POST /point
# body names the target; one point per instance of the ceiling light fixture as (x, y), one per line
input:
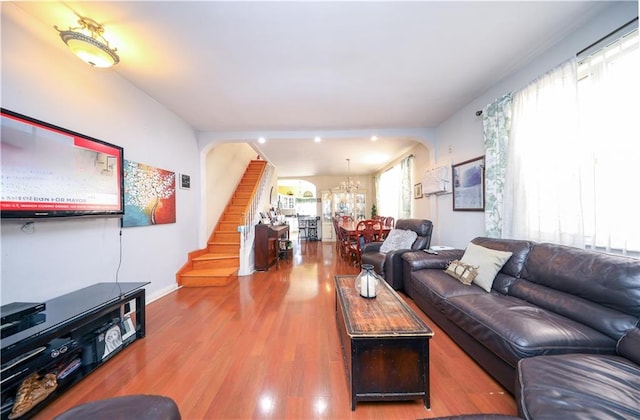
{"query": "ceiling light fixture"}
(261, 140)
(87, 42)
(374, 138)
(317, 139)
(349, 185)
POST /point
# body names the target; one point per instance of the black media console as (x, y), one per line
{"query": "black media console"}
(80, 331)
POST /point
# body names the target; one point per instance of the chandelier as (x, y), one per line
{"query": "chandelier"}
(349, 185)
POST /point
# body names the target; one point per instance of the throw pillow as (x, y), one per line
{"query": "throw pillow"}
(398, 239)
(488, 261)
(465, 273)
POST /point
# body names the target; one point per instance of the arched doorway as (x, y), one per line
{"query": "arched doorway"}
(297, 197)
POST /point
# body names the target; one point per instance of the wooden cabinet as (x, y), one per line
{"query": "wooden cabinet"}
(286, 202)
(267, 244)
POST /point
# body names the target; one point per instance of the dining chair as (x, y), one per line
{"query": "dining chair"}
(347, 219)
(344, 241)
(367, 231)
(389, 222)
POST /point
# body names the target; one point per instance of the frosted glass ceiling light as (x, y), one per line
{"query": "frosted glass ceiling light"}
(86, 41)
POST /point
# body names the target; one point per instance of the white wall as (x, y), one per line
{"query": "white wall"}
(460, 137)
(57, 257)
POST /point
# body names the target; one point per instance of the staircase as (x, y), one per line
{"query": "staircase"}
(218, 263)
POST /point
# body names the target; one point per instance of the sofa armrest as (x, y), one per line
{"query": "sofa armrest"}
(371, 247)
(393, 268)
(420, 260)
(629, 344)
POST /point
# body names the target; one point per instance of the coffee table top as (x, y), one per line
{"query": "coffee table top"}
(385, 315)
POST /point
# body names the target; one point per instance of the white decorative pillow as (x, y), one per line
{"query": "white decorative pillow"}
(488, 261)
(398, 239)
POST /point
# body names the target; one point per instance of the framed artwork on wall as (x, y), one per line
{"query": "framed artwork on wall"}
(185, 181)
(417, 190)
(468, 185)
(149, 195)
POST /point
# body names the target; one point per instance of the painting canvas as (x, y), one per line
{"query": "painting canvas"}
(468, 185)
(149, 195)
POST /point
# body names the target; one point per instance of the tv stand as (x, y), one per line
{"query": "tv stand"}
(80, 332)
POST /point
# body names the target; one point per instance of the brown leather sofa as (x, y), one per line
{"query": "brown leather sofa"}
(546, 300)
(389, 265)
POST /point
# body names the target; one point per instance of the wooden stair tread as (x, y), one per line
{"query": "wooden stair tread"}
(217, 256)
(211, 272)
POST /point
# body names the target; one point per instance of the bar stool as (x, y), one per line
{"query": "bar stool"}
(312, 229)
(303, 224)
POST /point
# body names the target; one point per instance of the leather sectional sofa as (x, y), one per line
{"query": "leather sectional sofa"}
(548, 302)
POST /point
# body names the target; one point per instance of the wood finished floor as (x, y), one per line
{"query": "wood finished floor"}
(267, 347)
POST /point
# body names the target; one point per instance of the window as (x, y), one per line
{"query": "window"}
(389, 192)
(573, 152)
(608, 89)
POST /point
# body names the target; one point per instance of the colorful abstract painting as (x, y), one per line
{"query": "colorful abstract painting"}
(149, 195)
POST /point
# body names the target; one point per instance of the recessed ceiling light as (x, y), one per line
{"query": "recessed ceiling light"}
(317, 139)
(374, 138)
(262, 140)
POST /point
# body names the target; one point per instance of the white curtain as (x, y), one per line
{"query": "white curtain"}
(542, 196)
(406, 169)
(390, 187)
(609, 89)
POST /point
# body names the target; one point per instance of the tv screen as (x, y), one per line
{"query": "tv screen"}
(51, 172)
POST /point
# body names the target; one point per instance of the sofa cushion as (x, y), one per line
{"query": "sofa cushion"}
(520, 252)
(398, 239)
(514, 329)
(578, 386)
(488, 261)
(608, 280)
(437, 287)
(607, 321)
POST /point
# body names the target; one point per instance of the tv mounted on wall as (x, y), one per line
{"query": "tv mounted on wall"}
(51, 172)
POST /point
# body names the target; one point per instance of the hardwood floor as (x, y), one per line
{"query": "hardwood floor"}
(267, 346)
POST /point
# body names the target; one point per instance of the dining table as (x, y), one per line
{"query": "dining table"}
(350, 229)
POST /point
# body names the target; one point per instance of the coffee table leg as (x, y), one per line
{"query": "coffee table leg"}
(353, 404)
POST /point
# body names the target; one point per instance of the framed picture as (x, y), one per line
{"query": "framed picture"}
(185, 181)
(468, 185)
(149, 195)
(417, 190)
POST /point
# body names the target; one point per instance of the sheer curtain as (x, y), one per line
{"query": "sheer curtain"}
(395, 190)
(608, 90)
(389, 203)
(542, 191)
(406, 168)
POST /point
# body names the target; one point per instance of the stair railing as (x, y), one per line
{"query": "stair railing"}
(251, 218)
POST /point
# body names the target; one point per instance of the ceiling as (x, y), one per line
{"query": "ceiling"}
(292, 70)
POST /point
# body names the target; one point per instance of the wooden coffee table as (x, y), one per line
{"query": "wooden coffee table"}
(384, 343)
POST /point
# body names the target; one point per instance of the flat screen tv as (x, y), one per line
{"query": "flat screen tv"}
(50, 172)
